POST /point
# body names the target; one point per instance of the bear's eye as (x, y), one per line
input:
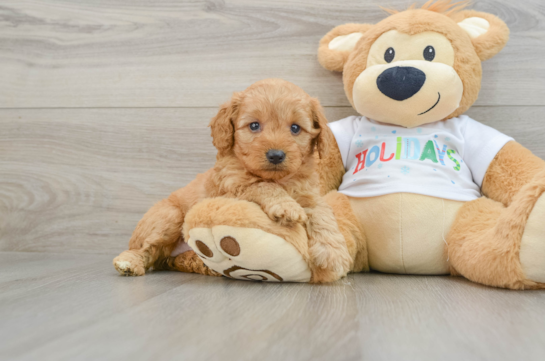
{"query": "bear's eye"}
(429, 53)
(389, 55)
(295, 129)
(254, 127)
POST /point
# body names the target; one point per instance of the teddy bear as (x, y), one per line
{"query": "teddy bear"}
(416, 186)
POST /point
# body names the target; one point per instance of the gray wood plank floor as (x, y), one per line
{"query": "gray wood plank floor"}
(80, 310)
(103, 111)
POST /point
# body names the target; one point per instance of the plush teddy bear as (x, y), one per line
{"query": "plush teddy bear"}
(426, 189)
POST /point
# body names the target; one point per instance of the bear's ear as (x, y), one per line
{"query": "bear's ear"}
(488, 33)
(336, 46)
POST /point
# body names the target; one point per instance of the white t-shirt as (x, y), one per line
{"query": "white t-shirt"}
(446, 159)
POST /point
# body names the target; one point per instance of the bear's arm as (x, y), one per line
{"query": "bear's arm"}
(512, 168)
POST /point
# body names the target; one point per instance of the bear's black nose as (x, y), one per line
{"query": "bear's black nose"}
(276, 156)
(401, 82)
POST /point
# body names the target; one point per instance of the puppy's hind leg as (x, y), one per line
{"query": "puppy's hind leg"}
(187, 262)
(154, 238)
(160, 230)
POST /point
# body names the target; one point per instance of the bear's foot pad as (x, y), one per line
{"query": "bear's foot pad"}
(249, 254)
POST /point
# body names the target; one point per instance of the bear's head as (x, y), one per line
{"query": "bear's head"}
(416, 66)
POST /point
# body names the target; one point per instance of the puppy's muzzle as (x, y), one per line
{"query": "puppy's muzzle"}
(401, 82)
(275, 156)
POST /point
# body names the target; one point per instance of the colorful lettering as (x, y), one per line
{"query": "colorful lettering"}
(441, 153)
(361, 161)
(415, 148)
(429, 152)
(375, 150)
(406, 148)
(382, 150)
(449, 153)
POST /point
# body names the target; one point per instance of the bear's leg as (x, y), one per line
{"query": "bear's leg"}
(501, 246)
(532, 247)
(237, 239)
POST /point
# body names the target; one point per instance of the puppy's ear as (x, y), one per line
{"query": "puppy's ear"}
(488, 33)
(336, 46)
(222, 128)
(325, 137)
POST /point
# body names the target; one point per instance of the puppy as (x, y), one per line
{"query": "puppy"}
(266, 138)
(269, 138)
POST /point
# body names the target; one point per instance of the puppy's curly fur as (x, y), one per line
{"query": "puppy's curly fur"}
(285, 119)
(288, 191)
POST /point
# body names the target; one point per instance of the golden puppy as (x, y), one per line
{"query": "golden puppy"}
(266, 137)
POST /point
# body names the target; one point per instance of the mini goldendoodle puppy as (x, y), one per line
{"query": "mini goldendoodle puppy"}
(269, 139)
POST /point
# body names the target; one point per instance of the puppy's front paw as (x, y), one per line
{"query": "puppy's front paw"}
(128, 264)
(330, 263)
(287, 212)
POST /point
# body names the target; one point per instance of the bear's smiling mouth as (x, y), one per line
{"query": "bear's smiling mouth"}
(433, 106)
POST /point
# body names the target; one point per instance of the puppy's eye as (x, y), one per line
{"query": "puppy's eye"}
(255, 127)
(389, 55)
(295, 129)
(429, 53)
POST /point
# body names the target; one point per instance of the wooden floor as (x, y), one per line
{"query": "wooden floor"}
(74, 307)
(103, 111)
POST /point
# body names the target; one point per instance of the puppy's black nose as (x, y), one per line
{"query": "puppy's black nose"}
(276, 156)
(401, 82)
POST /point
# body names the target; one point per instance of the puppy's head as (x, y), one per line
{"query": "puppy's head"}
(272, 128)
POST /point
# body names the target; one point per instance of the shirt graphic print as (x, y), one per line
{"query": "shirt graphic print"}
(446, 159)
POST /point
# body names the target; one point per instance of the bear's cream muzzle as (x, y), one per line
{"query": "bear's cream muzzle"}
(408, 93)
